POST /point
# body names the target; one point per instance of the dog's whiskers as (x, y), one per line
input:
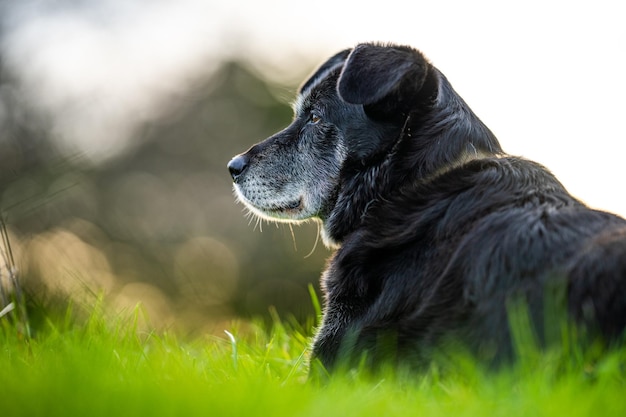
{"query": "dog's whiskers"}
(317, 238)
(293, 237)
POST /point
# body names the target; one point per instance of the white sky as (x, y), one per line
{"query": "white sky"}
(546, 76)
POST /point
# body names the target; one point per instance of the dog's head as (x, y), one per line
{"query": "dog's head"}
(367, 119)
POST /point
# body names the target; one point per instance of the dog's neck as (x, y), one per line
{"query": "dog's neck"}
(364, 188)
(467, 156)
(341, 223)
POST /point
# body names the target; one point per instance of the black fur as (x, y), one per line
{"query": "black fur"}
(438, 232)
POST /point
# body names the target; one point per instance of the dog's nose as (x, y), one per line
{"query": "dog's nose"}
(237, 165)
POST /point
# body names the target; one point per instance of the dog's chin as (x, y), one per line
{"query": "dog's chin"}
(290, 211)
(282, 211)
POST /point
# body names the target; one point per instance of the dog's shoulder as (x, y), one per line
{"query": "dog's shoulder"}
(491, 218)
(451, 202)
(492, 221)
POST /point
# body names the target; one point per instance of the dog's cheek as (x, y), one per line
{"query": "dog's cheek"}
(365, 144)
(328, 177)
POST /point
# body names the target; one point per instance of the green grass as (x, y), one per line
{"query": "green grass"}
(110, 366)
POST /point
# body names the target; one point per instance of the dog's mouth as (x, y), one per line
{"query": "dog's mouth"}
(290, 208)
(294, 205)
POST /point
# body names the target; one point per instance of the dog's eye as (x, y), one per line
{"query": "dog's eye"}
(314, 119)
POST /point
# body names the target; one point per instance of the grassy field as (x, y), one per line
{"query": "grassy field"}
(108, 366)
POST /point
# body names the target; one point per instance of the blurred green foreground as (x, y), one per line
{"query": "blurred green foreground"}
(109, 365)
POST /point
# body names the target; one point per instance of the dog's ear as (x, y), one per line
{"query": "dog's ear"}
(387, 80)
(333, 61)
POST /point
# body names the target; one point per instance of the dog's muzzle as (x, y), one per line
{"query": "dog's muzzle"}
(237, 166)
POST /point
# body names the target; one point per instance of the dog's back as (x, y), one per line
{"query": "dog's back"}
(451, 259)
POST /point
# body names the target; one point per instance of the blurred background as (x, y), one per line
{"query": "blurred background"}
(117, 119)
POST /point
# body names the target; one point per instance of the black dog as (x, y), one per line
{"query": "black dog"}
(437, 230)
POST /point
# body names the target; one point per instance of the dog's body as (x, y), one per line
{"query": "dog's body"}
(437, 230)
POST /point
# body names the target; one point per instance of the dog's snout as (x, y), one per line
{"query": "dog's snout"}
(237, 165)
